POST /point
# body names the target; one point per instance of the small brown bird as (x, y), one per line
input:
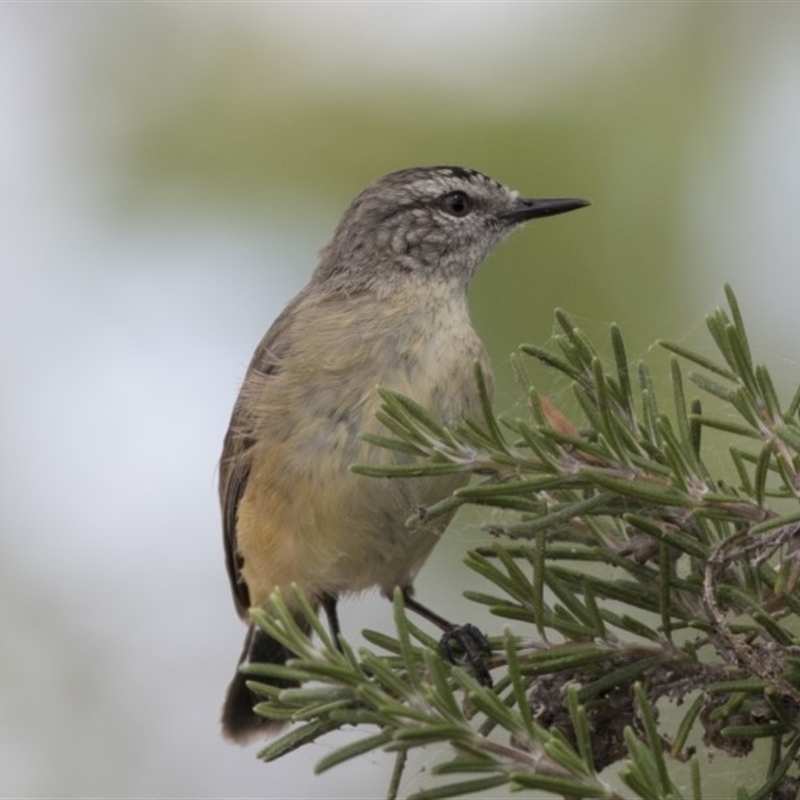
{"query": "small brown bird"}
(385, 307)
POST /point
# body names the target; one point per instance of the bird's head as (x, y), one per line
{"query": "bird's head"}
(430, 222)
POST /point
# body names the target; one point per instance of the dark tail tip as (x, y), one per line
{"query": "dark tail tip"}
(240, 723)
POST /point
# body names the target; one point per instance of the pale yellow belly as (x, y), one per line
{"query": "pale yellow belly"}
(306, 518)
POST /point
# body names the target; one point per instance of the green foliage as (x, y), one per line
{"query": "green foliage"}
(633, 574)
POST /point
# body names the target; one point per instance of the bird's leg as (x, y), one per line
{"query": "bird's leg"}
(328, 602)
(463, 643)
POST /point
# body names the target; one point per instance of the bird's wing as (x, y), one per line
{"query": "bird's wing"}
(234, 470)
(238, 448)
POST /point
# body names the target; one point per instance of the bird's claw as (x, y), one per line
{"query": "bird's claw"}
(466, 645)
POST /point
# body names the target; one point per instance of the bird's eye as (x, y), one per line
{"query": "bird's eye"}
(459, 204)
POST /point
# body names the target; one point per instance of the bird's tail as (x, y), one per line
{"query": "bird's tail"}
(240, 723)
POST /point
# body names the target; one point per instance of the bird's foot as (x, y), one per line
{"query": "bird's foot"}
(465, 645)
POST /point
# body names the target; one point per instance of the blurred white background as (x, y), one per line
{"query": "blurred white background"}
(167, 175)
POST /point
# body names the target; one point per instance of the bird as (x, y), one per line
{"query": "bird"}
(386, 307)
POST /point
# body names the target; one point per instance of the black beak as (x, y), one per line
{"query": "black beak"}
(526, 208)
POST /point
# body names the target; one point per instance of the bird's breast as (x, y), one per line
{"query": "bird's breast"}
(310, 518)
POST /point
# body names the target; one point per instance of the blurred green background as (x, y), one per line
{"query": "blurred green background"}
(169, 172)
